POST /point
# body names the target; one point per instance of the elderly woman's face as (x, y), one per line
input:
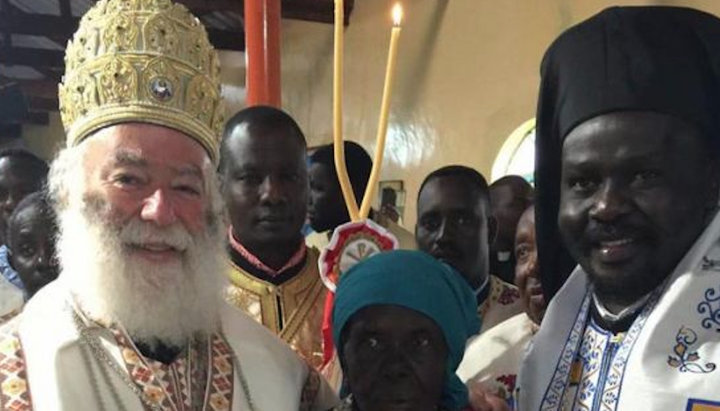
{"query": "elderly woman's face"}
(394, 359)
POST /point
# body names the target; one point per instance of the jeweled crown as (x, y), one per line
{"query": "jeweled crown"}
(146, 61)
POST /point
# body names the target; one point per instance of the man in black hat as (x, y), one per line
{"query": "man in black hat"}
(627, 176)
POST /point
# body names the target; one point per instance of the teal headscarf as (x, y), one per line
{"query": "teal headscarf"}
(417, 281)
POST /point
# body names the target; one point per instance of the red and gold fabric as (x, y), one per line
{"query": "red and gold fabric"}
(293, 310)
(14, 387)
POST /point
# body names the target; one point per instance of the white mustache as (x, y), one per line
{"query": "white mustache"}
(137, 232)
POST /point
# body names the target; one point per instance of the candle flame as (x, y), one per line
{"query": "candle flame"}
(397, 14)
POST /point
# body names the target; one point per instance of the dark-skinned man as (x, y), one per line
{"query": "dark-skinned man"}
(627, 176)
(274, 275)
(509, 197)
(492, 360)
(21, 173)
(327, 208)
(454, 225)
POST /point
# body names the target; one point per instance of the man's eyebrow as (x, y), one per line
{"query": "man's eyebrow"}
(190, 170)
(128, 158)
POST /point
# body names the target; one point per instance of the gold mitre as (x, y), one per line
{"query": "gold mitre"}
(146, 61)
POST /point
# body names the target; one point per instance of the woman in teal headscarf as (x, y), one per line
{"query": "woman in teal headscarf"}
(400, 323)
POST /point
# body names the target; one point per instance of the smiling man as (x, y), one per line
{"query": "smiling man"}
(628, 170)
(509, 196)
(135, 320)
(274, 275)
(454, 225)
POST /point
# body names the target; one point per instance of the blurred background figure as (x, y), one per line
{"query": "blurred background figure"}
(527, 273)
(31, 235)
(492, 360)
(455, 226)
(21, 173)
(327, 209)
(32, 231)
(509, 197)
(388, 205)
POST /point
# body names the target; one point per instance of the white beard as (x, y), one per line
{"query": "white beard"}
(155, 303)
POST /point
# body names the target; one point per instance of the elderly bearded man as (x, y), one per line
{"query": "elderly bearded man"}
(135, 320)
(627, 173)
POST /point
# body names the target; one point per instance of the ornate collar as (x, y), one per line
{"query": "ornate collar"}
(296, 259)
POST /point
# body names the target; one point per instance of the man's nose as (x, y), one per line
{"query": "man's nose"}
(272, 191)
(610, 203)
(158, 208)
(446, 231)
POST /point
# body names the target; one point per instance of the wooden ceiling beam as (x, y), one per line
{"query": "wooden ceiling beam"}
(48, 25)
(319, 11)
(42, 103)
(35, 88)
(40, 118)
(199, 7)
(24, 56)
(5, 9)
(65, 9)
(10, 131)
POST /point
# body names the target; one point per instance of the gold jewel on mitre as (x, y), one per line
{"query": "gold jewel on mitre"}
(147, 61)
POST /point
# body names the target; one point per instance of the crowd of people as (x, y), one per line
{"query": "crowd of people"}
(162, 261)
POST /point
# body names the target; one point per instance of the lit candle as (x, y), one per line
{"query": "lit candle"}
(384, 110)
(339, 148)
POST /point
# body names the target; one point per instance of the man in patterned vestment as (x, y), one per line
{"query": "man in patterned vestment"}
(273, 275)
(627, 176)
(455, 226)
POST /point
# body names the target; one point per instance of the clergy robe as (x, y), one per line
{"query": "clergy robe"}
(499, 302)
(494, 357)
(45, 365)
(667, 360)
(291, 307)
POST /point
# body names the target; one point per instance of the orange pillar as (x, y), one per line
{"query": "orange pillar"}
(262, 51)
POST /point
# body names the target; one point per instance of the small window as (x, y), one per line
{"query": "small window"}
(517, 155)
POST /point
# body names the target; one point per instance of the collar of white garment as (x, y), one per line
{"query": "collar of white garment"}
(633, 308)
(503, 256)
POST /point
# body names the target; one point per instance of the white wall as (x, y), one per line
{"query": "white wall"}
(467, 77)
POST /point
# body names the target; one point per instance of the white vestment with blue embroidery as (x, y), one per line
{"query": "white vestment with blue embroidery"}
(667, 360)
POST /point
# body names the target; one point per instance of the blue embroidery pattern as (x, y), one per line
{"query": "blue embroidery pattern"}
(555, 390)
(613, 382)
(686, 360)
(593, 350)
(594, 391)
(710, 306)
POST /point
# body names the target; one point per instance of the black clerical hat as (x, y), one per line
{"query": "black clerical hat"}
(661, 59)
